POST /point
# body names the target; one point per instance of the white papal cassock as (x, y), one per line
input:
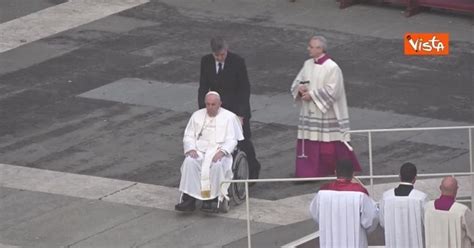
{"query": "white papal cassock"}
(402, 218)
(344, 218)
(200, 177)
(453, 228)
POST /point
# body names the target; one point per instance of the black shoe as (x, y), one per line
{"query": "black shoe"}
(187, 205)
(209, 206)
(254, 175)
(255, 171)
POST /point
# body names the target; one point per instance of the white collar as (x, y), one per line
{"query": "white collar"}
(318, 58)
(405, 183)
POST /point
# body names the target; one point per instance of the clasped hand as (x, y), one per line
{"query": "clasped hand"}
(192, 154)
(218, 156)
(304, 93)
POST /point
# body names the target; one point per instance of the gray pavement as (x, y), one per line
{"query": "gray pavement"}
(33, 219)
(102, 95)
(14, 9)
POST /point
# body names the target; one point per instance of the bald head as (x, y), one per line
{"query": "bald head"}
(449, 186)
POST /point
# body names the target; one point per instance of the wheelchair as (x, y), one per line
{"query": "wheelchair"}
(236, 192)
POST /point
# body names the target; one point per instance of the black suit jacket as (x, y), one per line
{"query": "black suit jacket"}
(232, 83)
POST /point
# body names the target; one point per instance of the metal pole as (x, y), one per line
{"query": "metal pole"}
(249, 238)
(370, 163)
(304, 108)
(333, 178)
(471, 148)
(409, 129)
(303, 155)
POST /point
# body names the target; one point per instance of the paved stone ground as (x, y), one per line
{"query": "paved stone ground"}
(51, 119)
(14, 9)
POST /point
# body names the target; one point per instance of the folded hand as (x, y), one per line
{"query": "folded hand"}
(218, 156)
(192, 154)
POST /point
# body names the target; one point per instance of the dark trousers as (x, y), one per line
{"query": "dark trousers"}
(247, 146)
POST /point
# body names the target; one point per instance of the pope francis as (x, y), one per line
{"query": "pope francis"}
(209, 139)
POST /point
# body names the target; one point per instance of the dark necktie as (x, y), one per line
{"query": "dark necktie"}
(220, 68)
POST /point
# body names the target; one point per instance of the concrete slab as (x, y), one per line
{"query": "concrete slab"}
(177, 97)
(4, 192)
(63, 43)
(73, 13)
(171, 229)
(278, 236)
(34, 219)
(70, 224)
(137, 194)
(21, 206)
(88, 131)
(147, 195)
(12, 9)
(18, 59)
(60, 183)
(8, 246)
(214, 232)
(115, 24)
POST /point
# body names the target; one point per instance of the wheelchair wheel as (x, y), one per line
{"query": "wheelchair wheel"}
(224, 206)
(240, 168)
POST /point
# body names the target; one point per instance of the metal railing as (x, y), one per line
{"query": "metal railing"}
(369, 136)
(371, 176)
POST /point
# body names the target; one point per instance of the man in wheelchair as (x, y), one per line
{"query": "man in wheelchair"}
(209, 140)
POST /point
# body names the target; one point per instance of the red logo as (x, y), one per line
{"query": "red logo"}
(426, 43)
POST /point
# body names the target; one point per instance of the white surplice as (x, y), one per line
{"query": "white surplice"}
(344, 218)
(402, 218)
(453, 228)
(326, 117)
(200, 177)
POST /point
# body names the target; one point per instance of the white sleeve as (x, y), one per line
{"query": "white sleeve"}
(314, 208)
(369, 214)
(325, 96)
(469, 219)
(423, 206)
(189, 139)
(381, 212)
(294, 86)
(233, 133)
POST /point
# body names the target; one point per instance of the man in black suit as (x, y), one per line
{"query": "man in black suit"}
(226, 73)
